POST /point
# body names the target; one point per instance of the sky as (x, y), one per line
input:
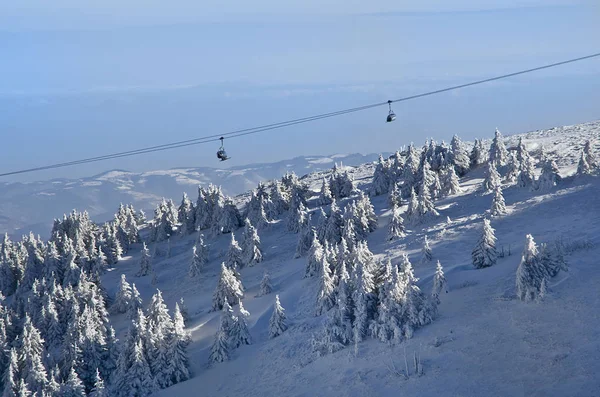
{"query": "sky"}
(82, 79)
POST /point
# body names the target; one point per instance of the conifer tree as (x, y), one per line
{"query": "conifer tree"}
(186, 215)
(219, 351)
(381, 177)
(229, 218)
(141, 382)
(265, 285)
(123, 296)
(305, 238)
(492, 178)
(583, 167)
(333, 229)
(251, 251)
(297, 216)
(11, 375)
(240, 335)
(589, 155)
(512, 172)
(426, 254)
(439, 283)
(228, 288)
(234, 260)
(325, 194)
(278, 321)
(498, 153)
(396, 227)
(478, 154)
(326, 294)
(315, 255)
(531, 275)
(73, 387)
(550, 176)
(145, 267)
(450, 182)
(498, 205)
(178, 366)
(135, 303)
(395, 196)
(484, 254)
(99, 390)
(459, 157)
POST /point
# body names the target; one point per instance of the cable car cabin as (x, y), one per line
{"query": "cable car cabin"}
(221, 155)
(391, 117)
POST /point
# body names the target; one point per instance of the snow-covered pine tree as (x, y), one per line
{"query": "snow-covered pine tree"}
(123, 296)
(186, 215)
(315, 255)
(219, 352)
(230, 218)
(395, 196)
(381, 177)
(498, 153)
(458, 156)
(512, 171)
(426, 254)
(280, 199)
(531, 276)
(498, 205)
(412, 212)
(477, 156)
(589, 154)
(30, 353)
(278, 321)
(550, 176)
(396, 227)
(326, 294)
(305, 238)
(265, 285)
(139, 375)
(234, 259)
(425, 207)
(251, 251)
(484, 254)
(583, 168)
(99, 389)
(73, 387)
(297, 216)
(240, 335)
(363, 299)
(492, 178)
(145, 258)
(333, 229)
(526, 176)
(439, 283)
(177, 369)
(228, 288)
(552, 258)
(199, 257)
(325, 194)
(450, 182)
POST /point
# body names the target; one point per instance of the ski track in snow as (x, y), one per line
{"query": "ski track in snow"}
(484, 343)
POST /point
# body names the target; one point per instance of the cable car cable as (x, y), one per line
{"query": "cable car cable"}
(268, 127)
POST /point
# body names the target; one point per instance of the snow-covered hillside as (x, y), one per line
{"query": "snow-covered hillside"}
(28, 207)
(483, 340)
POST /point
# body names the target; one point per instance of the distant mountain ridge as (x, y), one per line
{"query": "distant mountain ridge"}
(33, 205)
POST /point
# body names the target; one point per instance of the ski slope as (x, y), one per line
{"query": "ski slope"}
(485, 342)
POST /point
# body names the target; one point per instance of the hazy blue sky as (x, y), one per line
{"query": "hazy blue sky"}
(81, 79)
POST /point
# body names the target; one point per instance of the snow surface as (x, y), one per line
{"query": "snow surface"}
(485, 342)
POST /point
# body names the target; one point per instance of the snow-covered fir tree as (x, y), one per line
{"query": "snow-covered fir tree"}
(426, 254)
(315, 255)
(333, 229)
(439, 283)
(459, 156)
(583, 167)
(305, 238)
(186, 215)
(531, 276)
(425, 208)
(484, 254)
(73, 387)
(412, 212)
(589, 154)
(99, 389)
(145, 258)
(199, 257)
(492, 178)
(321, 225)
(498, 205)
(251, 251)
(325, 193)
(512, 169)
(411, 168)
(240, 335)
(278, 321)
(550, 176)
(478, 154)
(123, 296)
(219, 352)
(326, 293)
(526, 176)
(265, 285)
(229, 218)
(340, 184)
(396, 227)
(498, 154)
(395, 196)
(135, 302)
(177, 368)
(381, 177)
(228, 288)
(234, 259)
(280, 199)
(450, 182)
(297, 216)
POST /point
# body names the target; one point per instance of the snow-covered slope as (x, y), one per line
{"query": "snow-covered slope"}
(33, 206)
(485, 342)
